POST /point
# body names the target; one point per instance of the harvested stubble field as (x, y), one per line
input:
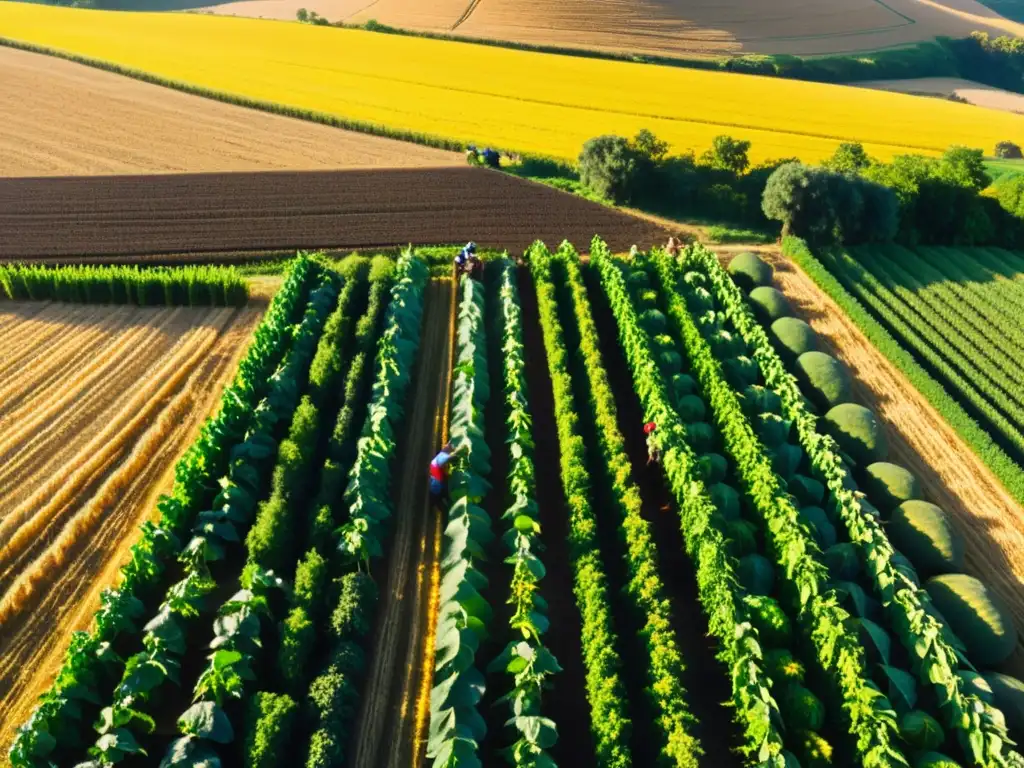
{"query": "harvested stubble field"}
(61, 118)
(951, 474)
(173, 214)
(96, 403)
(661, 27)
(525, 101)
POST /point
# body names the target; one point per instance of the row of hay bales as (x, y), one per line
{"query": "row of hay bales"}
(922, 532)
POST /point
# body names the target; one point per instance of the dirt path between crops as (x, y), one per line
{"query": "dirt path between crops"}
(33, 645)
(385, 730)
(951, 474)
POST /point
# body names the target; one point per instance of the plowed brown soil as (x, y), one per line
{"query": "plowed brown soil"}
(102, 475)
(661, 27)
(61, 118)
(173, 214)
(386, 728)
(951, 475)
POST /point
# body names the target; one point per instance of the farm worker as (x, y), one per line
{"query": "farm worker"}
(491, 158)
(467, 261)
(653, 443)
(672, 249)
(439, 472)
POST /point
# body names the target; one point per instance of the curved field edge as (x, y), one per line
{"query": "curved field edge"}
(980, 443)
(50, 656)
(576, 114)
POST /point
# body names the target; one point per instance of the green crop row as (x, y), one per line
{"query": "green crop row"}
(67, 708)
(464, 616)
(966, 347)
(930, 345)
(934, 659)
(606, 694)
(977, 437)
(798, 557)
(525, 658)
(197, 286)
(732, 618)
(215, 533)
(664, 663)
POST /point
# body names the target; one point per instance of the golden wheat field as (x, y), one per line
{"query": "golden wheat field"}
(517, 100)
(96, 403)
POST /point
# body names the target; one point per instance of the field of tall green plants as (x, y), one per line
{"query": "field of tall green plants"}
(669, 537)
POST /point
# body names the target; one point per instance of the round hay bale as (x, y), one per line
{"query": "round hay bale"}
(772, 429)
(976, 615)
(684, 384)
(653, 321)
(926, 534)
(742, 538)
(807, 490)
(741, 372)
(786, 459)
(691, 409)
(769, 304)
(823, 379)
(842, 562)
(758, 399)
(701, 436)
(794, 337)
(748, 271)
(858, 431)
(1008, 693)
(712, 467)
(726, 500)
(824, 531)
(889, 485)
(756, 575)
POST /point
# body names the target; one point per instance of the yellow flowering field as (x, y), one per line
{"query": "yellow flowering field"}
(519, 100)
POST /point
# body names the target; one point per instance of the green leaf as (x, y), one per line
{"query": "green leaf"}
(208, 721)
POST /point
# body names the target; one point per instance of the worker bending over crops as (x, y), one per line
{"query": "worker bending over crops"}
(467, 262)
(653, 443)
(439, 475)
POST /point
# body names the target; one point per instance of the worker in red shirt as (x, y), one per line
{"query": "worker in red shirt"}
(439, 473)
(653, 443)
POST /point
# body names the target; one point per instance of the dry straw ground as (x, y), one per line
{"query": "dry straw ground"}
(62, 119)
(96, 404)
(513, 99)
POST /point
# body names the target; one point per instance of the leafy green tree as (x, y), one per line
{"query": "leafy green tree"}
(965, 168)
(798, 196)
(728, 154)
(649, 146)
(302, 15)
(1007, 150)
(849, 157)
(608, 166)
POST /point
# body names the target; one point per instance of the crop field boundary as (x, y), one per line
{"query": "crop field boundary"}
(432, 140)
(991, 455)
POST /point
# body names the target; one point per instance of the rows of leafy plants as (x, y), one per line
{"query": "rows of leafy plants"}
(364, 510)
(525, 659)
(125, 727)
(464, 616)
(925, 343)
(606, 693)
(961, 279)
(737, 620)
(934, 655)
(194, 285)
(59, 724)
(789, 539)
(988, 265)
(983, 360)
(664, 664)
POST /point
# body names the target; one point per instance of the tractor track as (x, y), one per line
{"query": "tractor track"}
(385, 729)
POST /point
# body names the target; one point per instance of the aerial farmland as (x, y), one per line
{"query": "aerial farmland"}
(617, 386)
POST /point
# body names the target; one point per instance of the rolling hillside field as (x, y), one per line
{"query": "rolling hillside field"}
(517, 100)
(661, 27)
